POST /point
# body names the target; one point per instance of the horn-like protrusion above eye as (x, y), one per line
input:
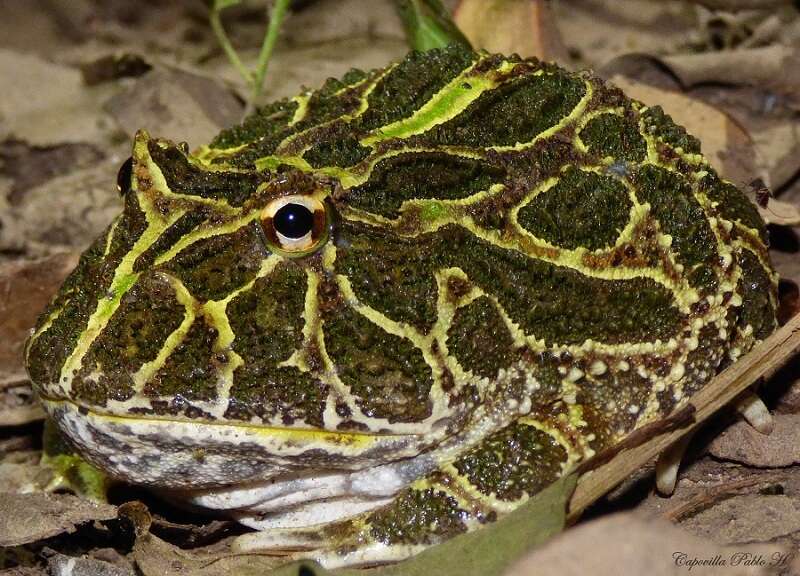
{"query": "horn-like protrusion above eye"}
(295, 225)
(125, 177)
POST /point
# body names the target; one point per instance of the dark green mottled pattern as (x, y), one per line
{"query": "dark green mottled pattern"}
(337, 145)
(516, 461)
(171, 236)
(184, 178)
(661, 125)
(213, 267)
(191, 369)
(389, 275)
(147, 315)
(480, 340)
(732, 204)
(618, 137)
(680, 215)
(418, 517)
(755, 288)
(267, 321)
(412, 83)
(266, 127)
(515, 112)
(550, 302)
(386, 374)
(81, 292)
(582, 209)
(421, 175)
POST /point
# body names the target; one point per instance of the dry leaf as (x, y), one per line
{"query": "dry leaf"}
(28, 518)
(154, 557)
(18, 405)
(626, 545)
(62, 565)
(780, 213)
(45, 103)
(524, 27)
(25, 289)
(747, 518)
(775, 68)
(741, 443)
(176, 105)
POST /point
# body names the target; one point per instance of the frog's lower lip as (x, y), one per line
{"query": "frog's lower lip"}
(172, 453)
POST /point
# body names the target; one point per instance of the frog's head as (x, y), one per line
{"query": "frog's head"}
(265, 313)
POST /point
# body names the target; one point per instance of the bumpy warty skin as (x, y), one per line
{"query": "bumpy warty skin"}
(522, 266)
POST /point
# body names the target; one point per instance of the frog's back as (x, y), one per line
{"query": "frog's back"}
(521, 265)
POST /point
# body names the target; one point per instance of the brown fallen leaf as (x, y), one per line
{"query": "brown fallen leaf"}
(25, 289)
(780, 213)
(741, 443)
(63, 565)
(174, 104)
(18, 405)
(624, 544)
(524, 27)
(775, 68)
(45, 103)
(726, 145)
(747, 518)
(155, 557)
(28, 518)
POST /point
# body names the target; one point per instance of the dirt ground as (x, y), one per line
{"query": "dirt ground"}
(79, 77)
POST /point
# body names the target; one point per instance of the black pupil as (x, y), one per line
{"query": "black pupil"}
(124, 177)
(293, 220)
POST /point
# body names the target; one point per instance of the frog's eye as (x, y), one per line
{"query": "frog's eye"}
(124, 177)
(295, 225)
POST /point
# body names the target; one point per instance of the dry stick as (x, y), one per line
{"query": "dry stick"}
(764, 359)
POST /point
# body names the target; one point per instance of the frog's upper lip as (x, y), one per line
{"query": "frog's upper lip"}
(295, 433)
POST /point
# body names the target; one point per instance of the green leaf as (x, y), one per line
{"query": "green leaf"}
(220, 5)
(485, 552)
(428, 24)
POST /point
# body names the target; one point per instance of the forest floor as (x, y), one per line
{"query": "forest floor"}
(68, 111)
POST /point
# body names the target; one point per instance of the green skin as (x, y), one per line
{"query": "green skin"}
(507, 243)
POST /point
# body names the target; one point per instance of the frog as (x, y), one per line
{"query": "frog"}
(391, 310)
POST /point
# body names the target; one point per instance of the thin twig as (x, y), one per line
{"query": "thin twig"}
(276, 19)
(227, 47)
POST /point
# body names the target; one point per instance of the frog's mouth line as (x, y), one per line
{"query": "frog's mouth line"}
(179, 454)
(338, 437)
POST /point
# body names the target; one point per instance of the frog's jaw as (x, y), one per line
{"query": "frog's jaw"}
(311, 498)
(175, 454)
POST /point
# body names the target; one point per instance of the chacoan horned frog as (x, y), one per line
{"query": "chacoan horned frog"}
(386, 312)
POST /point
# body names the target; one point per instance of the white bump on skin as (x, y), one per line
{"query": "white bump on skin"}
(598, 368)
(677, 372)
(574, 374)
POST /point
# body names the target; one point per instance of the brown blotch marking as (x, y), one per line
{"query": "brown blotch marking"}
(457, 288)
